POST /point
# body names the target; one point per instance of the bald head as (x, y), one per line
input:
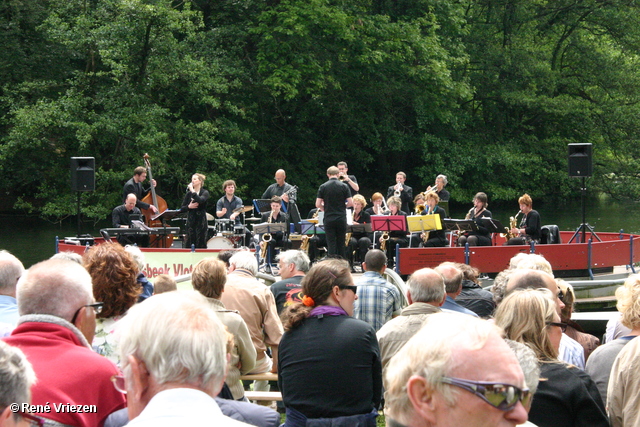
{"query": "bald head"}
(280, 176)
(533, 279)
(452, 277)
(427, 285)
(130, 201)
(10, 271)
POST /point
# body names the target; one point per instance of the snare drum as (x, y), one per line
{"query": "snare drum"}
(219, 242)
(224, 226)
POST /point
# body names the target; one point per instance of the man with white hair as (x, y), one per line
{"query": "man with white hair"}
(456, 371)
(426, 295)
(16, 379)
(294, 265)
(174, 361)
(56, 327)
(10, 271)
(255, 303)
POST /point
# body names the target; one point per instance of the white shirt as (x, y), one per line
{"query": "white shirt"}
(183, 407)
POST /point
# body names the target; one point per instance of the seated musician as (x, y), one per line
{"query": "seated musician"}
(435, 238)
(482, 237)
(278, 239)
(359, 242)
(530, 227)
(229, 202)
(420, 205)
(122, 217)
(376, 208)
(441, 182)
(395, 237)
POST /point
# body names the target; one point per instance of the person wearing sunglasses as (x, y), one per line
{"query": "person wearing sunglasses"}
(57, 324)
(456, 371)
(568, 396)
(329, 362)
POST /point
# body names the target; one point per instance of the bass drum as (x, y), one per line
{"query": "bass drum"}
(219, 242)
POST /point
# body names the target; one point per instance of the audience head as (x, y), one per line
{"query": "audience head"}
(534, 279)
(628, 296)
(530, 262)
(423, 378)
(209, 277)
(325, 284)
(136, 254)
(427, 285)
(225, 257)
(452, 277)
(69, 256)
(499, 288)
(529, 316)
(244, 260)
(164, 283)
(59, 288)
(11, 269)
(375, 260)
(16, 379)
(114, 275)
(568, 298)
(172, 340)
(468, 272)
(293, 262)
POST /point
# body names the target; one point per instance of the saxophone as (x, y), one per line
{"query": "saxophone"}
(304, 246)
(425, 234)
(513, 223)
(266, 238)
(419, 209)
(383, 240)
(347, 237)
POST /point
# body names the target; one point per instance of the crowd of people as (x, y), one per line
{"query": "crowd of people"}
(344, 224)
(89, 341)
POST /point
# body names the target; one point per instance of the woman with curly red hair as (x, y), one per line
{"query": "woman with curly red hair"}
(113, 274)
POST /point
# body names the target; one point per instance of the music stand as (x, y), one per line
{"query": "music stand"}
(266, 227)
(262, 205)
(459, 225)
(421, 223)
(493, 225)
(311, 228)
(166, 215)
(359, 228)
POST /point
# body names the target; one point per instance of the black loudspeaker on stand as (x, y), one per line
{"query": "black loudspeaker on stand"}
(83, 178)
(581, 166)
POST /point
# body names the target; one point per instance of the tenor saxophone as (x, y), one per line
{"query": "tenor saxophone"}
(266, 238)
(513, 223)
(383, 240)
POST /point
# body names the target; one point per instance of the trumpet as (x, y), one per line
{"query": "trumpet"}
(434, 188)
(266, 238)
(398, 191)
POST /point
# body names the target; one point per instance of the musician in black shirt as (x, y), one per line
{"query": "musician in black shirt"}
(122, 216)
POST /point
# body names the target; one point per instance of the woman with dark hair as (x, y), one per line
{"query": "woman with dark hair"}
(114, 276)
(482, 237)
(195, 202)
(329, 363)
(568, 396)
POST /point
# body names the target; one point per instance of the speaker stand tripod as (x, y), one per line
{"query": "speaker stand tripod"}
(584, 227)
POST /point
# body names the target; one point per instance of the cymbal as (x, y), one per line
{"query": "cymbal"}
(252, 219)
(243, 209)
(210, 217)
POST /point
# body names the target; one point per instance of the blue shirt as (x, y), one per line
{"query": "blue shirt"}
(8, 310)
(377, 300)
(451, 305)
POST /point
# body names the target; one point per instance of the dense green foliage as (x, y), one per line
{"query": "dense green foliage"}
(489, 93)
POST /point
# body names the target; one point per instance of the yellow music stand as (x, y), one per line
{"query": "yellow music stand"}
(421, 223)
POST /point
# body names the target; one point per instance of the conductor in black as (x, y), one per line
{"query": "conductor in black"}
(333, 198)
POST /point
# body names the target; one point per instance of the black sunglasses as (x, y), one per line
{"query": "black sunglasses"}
(501, 396)
(561, 325)
(350, 287)
(97, 307)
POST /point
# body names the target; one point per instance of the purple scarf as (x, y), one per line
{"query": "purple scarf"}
(327, 310)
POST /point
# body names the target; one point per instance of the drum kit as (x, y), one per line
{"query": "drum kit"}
(229, 235)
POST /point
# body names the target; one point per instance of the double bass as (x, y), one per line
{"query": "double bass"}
(156, 241)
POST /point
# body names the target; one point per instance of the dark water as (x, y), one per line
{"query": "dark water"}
(33, 239)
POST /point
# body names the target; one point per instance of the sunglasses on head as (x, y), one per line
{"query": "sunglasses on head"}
(501, 396)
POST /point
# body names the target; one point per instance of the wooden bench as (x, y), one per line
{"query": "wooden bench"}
(267, 376)
(262, 395)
